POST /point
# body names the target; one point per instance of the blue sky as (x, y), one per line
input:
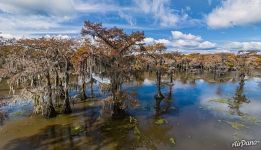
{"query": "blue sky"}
(185, 25)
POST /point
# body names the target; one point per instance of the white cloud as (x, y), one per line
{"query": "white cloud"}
(243, 45)
(184, 42)
(180, 35)
(49, 15)
(190, 42)
(9, 36)
(48, 7)
(235, 13)
(162, 13)
(128, 18)
(152, 40)
(149, 40)
(62, 37)
(160, 10)
(18, 22)
(99, 6)
(34, 15)
(207, 45)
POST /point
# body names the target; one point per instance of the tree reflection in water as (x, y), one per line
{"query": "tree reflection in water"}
(163, 103)
(239, 98)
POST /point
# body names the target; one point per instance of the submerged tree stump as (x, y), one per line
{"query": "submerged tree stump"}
(49, 112)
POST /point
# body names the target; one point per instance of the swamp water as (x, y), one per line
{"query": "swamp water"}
(198, 113)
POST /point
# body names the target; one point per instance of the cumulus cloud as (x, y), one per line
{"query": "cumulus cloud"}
(190, 41)
(243, 45)
(184, 42)
(152, 41)
(180, 35)
(235, 13)
(192, 44)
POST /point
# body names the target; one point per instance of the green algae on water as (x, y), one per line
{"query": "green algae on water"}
(236, 125)
(220, 100)
(76, 130)
(250, 118)
(172, 140)
(160, 121)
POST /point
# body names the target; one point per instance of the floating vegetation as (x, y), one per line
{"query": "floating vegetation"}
(91, 104)
(236, 125)
(142, 139)
(251, 118)
(160, 121)
(118, 126)
(19, 113)
(221, 100)
(172, 140)
(136, 130)
(137, 133)
(133, 120)
(257, 76)
(76, 130)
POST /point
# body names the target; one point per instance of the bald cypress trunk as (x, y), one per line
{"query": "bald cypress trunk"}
(66, 105)
(92, 91)
(157, 105)
(49, 111)
(83, 96)
(159, 95)
(118, 111)
(57, 90)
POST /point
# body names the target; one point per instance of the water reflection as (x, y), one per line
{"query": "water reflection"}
(2, 118)
(91, 125)
(169, 99)
(163, 102)
(239, 99)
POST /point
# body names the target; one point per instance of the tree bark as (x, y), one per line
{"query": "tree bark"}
(118, 112)
(159, 94)
(49, 111)
(92, 92)
(84, 96)
(66, 105)
(57, 90)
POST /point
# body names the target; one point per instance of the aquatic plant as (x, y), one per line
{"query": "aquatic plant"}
(221, 100)
(236, 125)
(172, 140)
(77, 129)
(251, 118)
(160, 121)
